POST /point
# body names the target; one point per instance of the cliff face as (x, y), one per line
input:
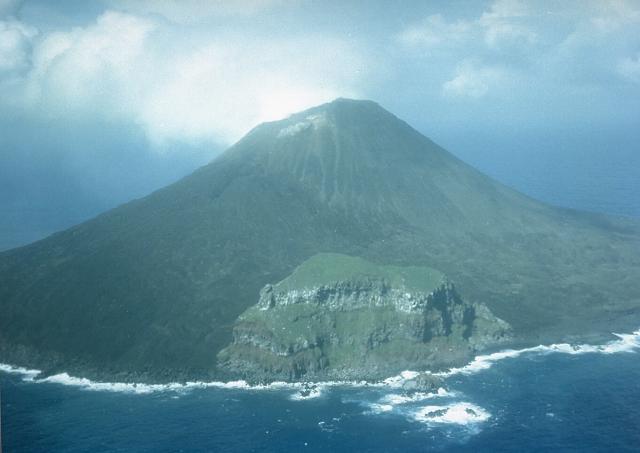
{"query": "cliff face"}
(366, 326)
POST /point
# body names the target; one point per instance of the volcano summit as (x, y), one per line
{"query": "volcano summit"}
(192, 280)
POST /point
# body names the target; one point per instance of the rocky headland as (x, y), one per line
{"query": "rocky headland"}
(338, 317)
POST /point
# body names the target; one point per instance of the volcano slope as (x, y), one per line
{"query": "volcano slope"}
(150, 290)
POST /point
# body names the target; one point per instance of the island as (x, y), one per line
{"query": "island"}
(338, 317)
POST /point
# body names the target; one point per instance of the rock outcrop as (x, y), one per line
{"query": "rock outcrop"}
(373, 322)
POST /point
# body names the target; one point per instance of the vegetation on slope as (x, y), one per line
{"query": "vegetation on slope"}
(153, 287)
(343, 317)
(327, 268)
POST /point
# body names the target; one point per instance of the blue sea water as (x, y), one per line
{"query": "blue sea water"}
(537, 401)
(585, 400)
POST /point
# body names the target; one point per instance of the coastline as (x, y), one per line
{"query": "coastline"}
(629, 342)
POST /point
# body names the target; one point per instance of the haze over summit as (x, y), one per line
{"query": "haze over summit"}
(342, 225)
(126, 97)
(161, 288)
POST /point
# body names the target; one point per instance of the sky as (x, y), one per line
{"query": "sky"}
(107, 100)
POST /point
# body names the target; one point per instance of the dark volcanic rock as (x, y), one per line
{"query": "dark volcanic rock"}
(423, 382)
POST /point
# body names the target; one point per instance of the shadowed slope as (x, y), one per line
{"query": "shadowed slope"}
(153, 287)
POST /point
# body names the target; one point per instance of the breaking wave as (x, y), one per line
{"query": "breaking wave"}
(27, 374)
(303, 391)
(442, 410)
(460, 413)
(625, 343)
(395, 399)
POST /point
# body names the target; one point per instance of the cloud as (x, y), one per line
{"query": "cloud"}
(9, 7)
(91, 68)
(194, 11)
(505, 24)
(563, 44)
(611, 15)
(140, 70)
(435, 31)
(472, 80)
(181, 81)
(595, 50)
(478, 49)
(224, 88)
(15, 46)
(629, 68)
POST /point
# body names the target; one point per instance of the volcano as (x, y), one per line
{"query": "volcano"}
(151, 290)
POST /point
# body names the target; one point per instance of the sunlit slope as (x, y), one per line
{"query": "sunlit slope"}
(155, 285)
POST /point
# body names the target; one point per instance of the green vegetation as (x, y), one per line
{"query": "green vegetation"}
(326, 268)
(151, 290)
(338, 316)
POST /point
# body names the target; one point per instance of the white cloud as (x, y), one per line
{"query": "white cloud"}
(629, 68)
(500, 33)
(507, 9)
(472, 80)
(505, 24)
(136, 69)
(611, 15)
(223, 89)
(15, 46)
(90, 68)
(566, 44)
(435, 31)
(602, 36)
(194, 11)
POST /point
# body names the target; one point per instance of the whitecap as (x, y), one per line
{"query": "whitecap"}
(625, 343)
(395, 399)
(328, 427)
(28, 375)
(398, 380)
(307, 393)
(377, 408)
(460, 413)
(120, 387)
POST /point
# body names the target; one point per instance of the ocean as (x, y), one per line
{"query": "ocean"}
(553, 398)
(549, 398)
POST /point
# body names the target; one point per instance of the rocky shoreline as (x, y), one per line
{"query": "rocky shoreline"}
(410, 381)
(335, 318)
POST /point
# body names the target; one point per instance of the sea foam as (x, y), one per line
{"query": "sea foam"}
(307, 393)
(624, 343)
(26, 373)
(460, 413)
(395, 399)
